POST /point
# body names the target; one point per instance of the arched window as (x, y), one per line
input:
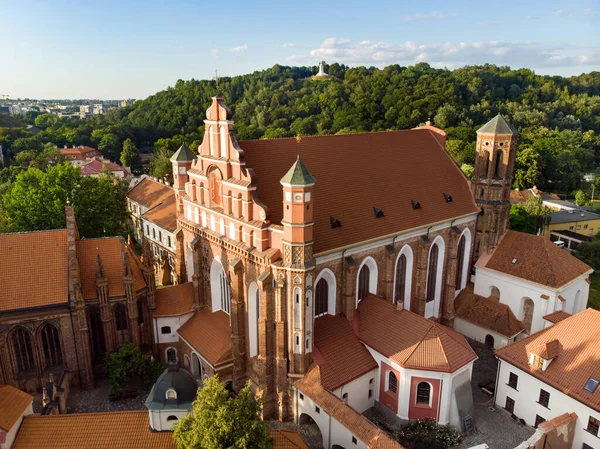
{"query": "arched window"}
(225, 304)
(423, 393)
(499, 157)
(216, 194)
(366, 281)
(434, 278)
(96, 334)
(172, 418)
(400, 286)
(253, 316)
(432, 273)
(121, 324)
(392, 382)
(484, 162)
(140, 311)
(23, 349)
(321, 297)
(223, 134)
(51, 346)
(196, 217)
(203, 219)
(495, 292)
(171, 356)
(460, 260)
(528, 308)
(231, 231)
(171, 394)
(222, 227)
(219, 287)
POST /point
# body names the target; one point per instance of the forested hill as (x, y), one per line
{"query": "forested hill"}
(559, 118)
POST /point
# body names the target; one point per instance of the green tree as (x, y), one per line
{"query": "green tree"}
(519, 220)
(528, 169)
(130, 156)
(110, 146)
(221, 421)
(589, 252)
(580, 198)
(160, 165)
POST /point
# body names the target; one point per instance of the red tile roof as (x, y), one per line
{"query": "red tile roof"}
(357, 172)
(287, 439)
(112, 251)
(210, 334)
(535, 259)
(164, 214)
(409, 339)
(174, 301)
(338, 352)
(574, 343)
(357, 424)
(487, 313)
(149, 192)
(37, 272)
(557, 316)
(114, 430)
(13, 403)
(95, 167)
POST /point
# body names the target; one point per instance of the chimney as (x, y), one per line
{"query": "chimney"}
(399, 305)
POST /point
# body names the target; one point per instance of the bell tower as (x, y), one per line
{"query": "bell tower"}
(492, 180)
(182, 162)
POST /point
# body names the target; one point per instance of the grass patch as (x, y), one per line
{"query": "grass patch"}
(594, 298)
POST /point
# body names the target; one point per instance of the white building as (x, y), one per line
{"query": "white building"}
(555, 371)
(14, 406)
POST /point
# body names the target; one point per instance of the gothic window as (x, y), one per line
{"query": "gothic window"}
(400, 287)
(499, 157)
(23, 349)
(225, 301)
(51, 346)
(432, 273)
(140, 310)
(363, 281)
(96, 335)
(121, 318)
(423, 393)
(392, 382)
(460, 259)
(485, 159)
(322, 297)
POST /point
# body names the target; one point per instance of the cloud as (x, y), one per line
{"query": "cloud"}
(590, 11)
(239, 48)
(214, 52)
(451, 54)
(560, 12)
(288, 44)
(434, 15)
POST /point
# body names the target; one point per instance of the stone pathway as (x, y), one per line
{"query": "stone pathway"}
(96, 400)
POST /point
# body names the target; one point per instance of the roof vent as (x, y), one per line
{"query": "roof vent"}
(335, 223)
(514, 261)
(582, 214)
(448, 198)
(591, 385)
(415, 204)
(378, 212)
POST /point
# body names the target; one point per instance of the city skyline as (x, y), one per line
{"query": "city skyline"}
(119, 50)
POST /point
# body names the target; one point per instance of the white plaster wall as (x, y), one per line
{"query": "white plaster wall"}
(175, 322)
(526, 398)
(12, 433)
(158, 418)
(164, 234)
(479, 333)
(358, 391)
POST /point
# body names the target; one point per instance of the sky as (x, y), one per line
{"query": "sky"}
(132, 49)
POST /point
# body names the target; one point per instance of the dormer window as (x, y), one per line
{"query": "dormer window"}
(171, 394)
(538, 362)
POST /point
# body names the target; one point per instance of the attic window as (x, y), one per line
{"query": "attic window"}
(378, 212)
(448, 198)
(514, 261)
(335, 223)
(591, 385)
(171, 394)
(415, 204)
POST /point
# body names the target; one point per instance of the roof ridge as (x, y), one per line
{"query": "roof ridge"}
(442, 346)
(33, 232)
(122, 412)
(335, 135)
(419, 343)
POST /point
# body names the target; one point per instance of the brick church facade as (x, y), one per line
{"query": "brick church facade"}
(278, 233)
(66, 302)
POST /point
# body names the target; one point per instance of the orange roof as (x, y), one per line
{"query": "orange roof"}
(520, 196)
(13, 403)
(210, 334)
(81, 150)
(37, 272)
(338, 352)
(287, 439)
(149, 192)
(115, 430)
(574, 343)
(356, 172)
(164, 214)
(487, 313)
(361, 427)
(174, 301)
(535, 259)
(112, 251)
(409, 339)
(557, 316)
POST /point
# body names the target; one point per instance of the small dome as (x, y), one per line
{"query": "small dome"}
(175, 389)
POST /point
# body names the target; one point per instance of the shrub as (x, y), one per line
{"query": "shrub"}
(128, 363)
(426, 434)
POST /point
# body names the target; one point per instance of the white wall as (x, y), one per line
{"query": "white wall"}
(358, 391)
(160, 235)
(478, 333)
(158, 418)
(175, 322)
(526, 398)
(12, 433)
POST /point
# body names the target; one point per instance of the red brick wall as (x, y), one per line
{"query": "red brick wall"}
(421, 411)
(387, 398)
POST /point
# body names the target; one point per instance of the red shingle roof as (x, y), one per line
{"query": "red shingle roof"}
(174, 301)
(557, 316)
(287, 439)
(149, 192)
(164, 214)
(95, 167)
(37, 272)
(573, 343)
(13, 403)
(338, 352)
(535, 259)
(409, 339)
(210, 334)
(357, 172)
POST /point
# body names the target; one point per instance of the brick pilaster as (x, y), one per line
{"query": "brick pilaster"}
(238, 338)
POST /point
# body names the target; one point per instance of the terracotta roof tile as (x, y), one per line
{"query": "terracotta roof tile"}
(409, 339)
(115, 430)
(340, 355)
(392, 166)
(287, 439)
(13, 403)
(37, 272)
(361, 427)
(577, 358)
(520, 196)
(557, 316)
(487, 313)
(210, 334)
(174, 301)
(164, 214)
(149, 192)
(537, 260)
(96, 165)
(112, 251)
